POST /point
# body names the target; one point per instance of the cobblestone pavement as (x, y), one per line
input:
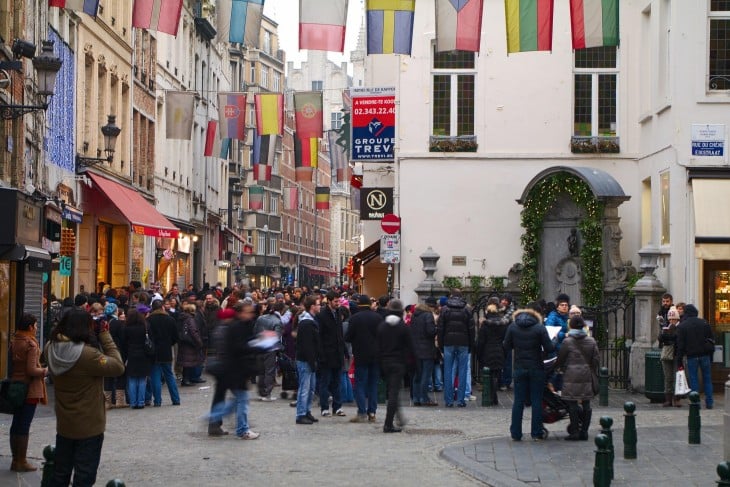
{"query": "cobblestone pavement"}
(169, 445)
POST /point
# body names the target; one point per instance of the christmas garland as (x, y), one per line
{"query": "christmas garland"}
(538, 202)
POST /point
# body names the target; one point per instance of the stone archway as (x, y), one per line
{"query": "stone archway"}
(561, 229)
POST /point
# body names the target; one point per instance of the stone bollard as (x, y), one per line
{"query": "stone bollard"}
(694, 423)
(601, 473)
(116, 483)
(606, 423)
(629, 431)
(49, 466)
(723, 471)
(487, 387)
(603, 386)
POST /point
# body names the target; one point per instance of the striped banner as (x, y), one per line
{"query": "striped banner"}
(458, 25)
(256, 197)
(291, 198)
(179, 114)
(210, 138)
(269, 113)
(594, 23)
(322, 24)
(87, 6)
(338, 158)
(159, 15)
(390, 26)
(239, 21)
(529, 25)
(306, 154)
(232, 115)
(322, 198)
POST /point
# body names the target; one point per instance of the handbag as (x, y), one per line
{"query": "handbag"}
(185, 336)
(12, 395)
(667, 352)
(681, 387)
(149, 344)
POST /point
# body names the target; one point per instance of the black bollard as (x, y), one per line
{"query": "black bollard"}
(486, 387)
(606, 423)
(49, 466)
(629, 431)
(601, 473)
(603, 386)
(115, 483)
(723, 471)
(694, 422)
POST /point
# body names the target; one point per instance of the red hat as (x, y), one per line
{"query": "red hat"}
(226, 314)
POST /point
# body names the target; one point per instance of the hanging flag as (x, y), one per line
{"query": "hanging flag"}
(232, 114)
(269, 113)
(346, 99)
(322, 198)
(256, 197)
(159, 15)
(338, 158)
(594, 23)
(458, 25)
(262, 172)
(308, 114)
(179, 114)
(322, 24)
(291, 198)
(529, 25)
(264, 149)
(390, 26)
(225, 148)
(240, 21)
(305, 157)
(87, 6)
(210, 138)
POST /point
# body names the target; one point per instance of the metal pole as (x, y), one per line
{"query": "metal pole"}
(298, 281)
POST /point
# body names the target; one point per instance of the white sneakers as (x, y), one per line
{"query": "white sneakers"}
(268, 399)
(326, 413)
(249, 435)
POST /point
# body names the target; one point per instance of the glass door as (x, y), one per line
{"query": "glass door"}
(716, 295)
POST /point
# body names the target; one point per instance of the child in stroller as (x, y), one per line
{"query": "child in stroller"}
(553, 407)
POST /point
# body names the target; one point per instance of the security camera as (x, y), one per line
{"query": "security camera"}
(23, 48)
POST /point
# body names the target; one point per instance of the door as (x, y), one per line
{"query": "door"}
(716, 300)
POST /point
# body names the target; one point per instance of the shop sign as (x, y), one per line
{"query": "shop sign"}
(375, 203)
(65, 265)
(708, 140)
(373, 124)
(390, 248)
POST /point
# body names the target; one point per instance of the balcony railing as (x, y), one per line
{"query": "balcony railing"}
(594, 145)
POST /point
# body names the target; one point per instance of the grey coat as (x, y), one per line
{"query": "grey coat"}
(577, 378)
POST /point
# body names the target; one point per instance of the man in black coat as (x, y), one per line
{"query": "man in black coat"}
(163, 330)
(423, 333)
(333, 356)
(308, 348)
(362, 334)
(696, 342)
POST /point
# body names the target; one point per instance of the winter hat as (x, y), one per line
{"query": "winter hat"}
(431, 301)
(156, 297)
(143, 308)
(395, 306)
(363, 300)
(575, 310)
(225, 314)
(110, 309)
(673, 314)
(691, 311)
(442, 300)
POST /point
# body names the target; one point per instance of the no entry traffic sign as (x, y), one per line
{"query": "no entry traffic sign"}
(390, 223)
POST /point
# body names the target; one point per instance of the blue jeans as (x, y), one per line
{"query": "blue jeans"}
(239, 404)
(460, 357)
(506, 378)
(704, 364)
(346, 388)
(438, 376)
(329, 381)
(424, 371)
(170, 380)
(136, 388)
(80, 457)
(305, 393)
(532, 382)
(366, 388)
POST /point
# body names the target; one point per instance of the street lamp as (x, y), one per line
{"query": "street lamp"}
(266, 254)
(110, 132)
(47, 66)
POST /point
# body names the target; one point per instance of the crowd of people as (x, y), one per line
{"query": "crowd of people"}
(115, 349)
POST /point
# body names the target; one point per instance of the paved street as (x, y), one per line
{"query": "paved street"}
(169, 445)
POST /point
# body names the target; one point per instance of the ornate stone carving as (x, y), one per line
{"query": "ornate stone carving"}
(568, 275)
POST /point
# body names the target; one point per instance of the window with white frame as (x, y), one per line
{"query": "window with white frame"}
(274, 203)
(336, 120)
(595, 92)
(272, 245)
(262, 243)
(454, 74)
(317, 85)
(719, 43)
(264, 77)
(276, 82)
(267, 42)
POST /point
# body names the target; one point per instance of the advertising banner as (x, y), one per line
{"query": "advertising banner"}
(373, 124)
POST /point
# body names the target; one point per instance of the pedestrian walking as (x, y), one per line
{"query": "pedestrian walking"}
(307, 353)
(25, 362)
(163, 330)
(139, 364)
(332, 359)
(696, 342)
(362, 333)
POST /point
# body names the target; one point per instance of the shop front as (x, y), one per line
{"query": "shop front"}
(711, 198)
(118, 236)
(24, 264)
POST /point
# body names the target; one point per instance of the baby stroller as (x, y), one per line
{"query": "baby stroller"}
(290, 380)
(553, 407)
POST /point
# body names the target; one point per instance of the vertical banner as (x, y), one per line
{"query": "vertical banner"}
(210, 138)
(373, 124)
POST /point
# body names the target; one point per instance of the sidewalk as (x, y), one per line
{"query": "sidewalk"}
(663, 453)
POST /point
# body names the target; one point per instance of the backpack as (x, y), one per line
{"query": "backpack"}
(216, 362)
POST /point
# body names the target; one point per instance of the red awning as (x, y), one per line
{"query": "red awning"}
(144, 218)
(321, 271)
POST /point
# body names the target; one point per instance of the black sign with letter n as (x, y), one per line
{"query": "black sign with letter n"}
(375, 203)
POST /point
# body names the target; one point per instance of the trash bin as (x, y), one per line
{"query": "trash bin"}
(653, 376)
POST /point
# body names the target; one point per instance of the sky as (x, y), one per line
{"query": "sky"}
(287, 16)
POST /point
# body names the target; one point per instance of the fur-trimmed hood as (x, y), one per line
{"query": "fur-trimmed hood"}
(526, 317)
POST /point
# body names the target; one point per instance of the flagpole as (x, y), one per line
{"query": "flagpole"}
(299, 235)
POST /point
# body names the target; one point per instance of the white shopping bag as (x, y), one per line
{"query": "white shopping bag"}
(680, 384)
